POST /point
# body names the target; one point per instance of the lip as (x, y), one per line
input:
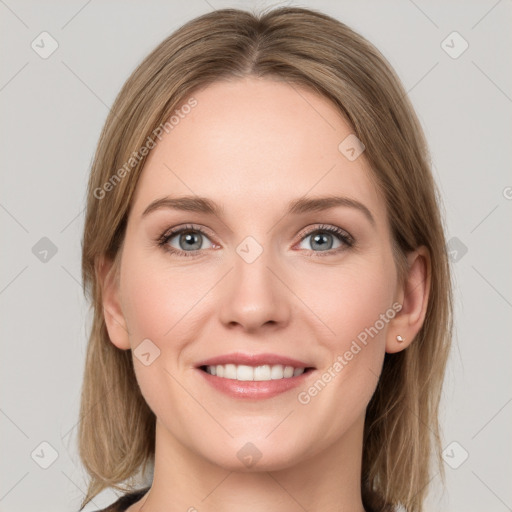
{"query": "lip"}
(253, 389)
(254, 360)
(249, 389)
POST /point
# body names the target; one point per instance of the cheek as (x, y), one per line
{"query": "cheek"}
(355, 306)
(159, 302)
(161, 305)
(167, 306)
(349, 300)
(352, 299)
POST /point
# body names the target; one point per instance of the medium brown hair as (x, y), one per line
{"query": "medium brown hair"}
(303, 47)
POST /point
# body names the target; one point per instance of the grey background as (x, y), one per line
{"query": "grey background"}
(52, 111)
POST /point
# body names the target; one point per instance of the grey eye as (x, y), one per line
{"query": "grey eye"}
(189, 240)
(321, 241)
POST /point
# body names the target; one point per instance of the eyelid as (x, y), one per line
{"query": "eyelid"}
(330, 228)
(177, 230)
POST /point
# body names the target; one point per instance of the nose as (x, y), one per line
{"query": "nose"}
(254, 296)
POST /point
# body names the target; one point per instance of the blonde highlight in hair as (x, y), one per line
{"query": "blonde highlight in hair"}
(306, 48)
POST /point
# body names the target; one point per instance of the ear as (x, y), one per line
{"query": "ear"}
(413, 295)
(107, 272)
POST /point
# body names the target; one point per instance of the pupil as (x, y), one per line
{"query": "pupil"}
(190, 240)
(321, 245)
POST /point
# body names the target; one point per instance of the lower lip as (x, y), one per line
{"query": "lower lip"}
(254, 389)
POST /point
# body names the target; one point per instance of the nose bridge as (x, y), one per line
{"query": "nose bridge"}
(253, 295)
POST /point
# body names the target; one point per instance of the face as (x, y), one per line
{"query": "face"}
(315, 285)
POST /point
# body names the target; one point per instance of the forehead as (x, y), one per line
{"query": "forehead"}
(254, 145)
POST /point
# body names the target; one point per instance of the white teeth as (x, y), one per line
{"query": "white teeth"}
(229, 371)
(288, 372)
(277, 372)
(262, 372)
(244, 372)
(257, 373)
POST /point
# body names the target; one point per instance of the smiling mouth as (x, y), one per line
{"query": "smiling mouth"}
(259, 373)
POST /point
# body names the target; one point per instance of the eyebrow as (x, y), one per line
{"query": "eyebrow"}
(295, 207)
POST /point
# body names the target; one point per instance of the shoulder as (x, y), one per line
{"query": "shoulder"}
(125, 501)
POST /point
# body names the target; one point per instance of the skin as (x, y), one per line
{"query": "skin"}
(251, 145)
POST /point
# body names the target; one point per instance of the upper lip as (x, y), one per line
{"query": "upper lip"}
(254, 360)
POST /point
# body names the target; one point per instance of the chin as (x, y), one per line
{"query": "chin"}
(251, 455)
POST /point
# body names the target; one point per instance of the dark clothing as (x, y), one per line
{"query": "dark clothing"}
(125, 501)
(129, 499)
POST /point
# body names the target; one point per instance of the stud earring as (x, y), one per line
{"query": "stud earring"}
(400, 339)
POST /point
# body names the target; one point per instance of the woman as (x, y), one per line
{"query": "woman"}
(266, 262)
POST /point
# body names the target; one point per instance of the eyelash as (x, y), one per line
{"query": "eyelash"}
(342, 235)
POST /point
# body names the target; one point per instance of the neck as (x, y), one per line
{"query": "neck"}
(184, 481)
